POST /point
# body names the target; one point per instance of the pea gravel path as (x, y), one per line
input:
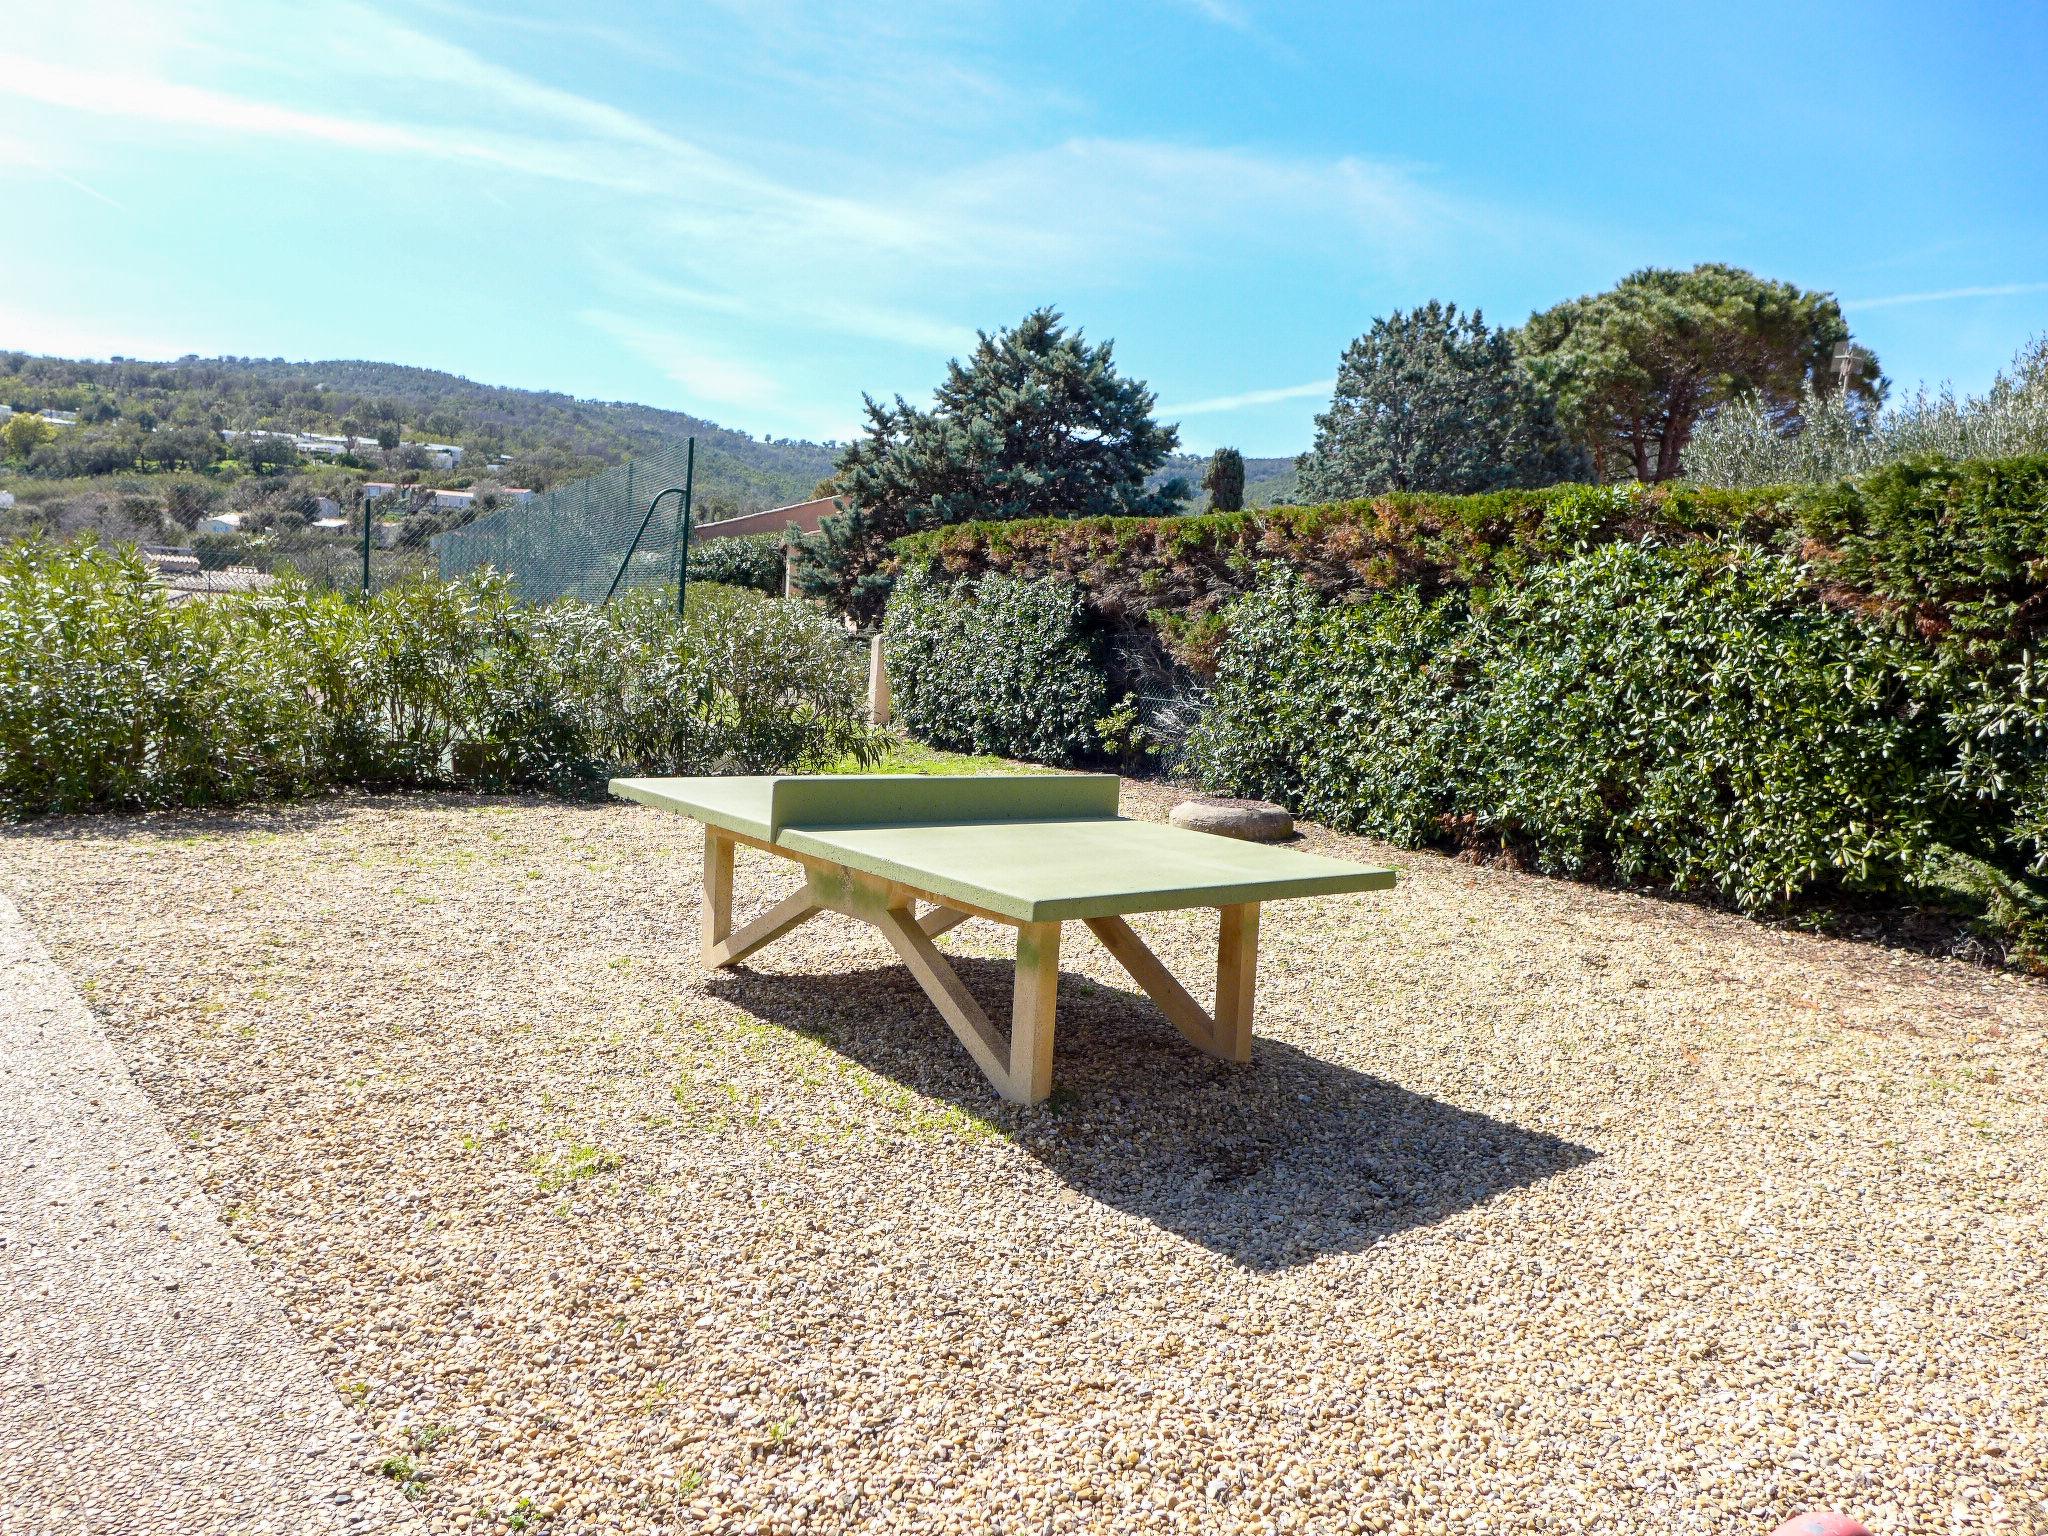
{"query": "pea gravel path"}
(1540, 1208)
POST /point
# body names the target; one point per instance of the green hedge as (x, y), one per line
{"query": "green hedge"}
(752, 560)
(113, 697)
(1687, 717)
(1765, 695)
(996, 665)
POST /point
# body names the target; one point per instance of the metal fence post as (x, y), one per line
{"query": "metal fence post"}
(683, 526)
(366, 543)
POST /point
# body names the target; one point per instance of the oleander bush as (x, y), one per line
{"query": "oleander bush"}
(996, 665)
(752, 560)
(113, 697)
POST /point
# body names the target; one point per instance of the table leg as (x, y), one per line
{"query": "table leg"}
(717, 891)
(1032, 1006)
(1237, 977)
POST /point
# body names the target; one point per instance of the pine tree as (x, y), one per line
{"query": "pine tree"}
(1036, 423)
(1432, 400)
(1224, 480)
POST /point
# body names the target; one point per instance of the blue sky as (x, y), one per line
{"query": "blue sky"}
(755, 211)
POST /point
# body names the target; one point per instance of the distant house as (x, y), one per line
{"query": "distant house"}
(444, 455)
(6, 500)
(325, 507)
(169, 559)
(516, 493)
(177, 571)
(330, 524)
(372, 489)
(54, 418)
(805, 515)
(454, 501)
(184, 587)
(223, 522)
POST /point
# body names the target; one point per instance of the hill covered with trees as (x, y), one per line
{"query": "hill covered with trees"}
(542, 437)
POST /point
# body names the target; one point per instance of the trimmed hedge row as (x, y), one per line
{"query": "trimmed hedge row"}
(1688, 718)
(112, 697)
(1767, 696)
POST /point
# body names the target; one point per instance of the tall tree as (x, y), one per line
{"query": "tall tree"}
(1635, 369)
(1224, 480)
(1036, 423)
(1432, 400)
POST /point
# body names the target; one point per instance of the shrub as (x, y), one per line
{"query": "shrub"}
(1695, 720)
(113, 697)
(1684, 717)
(750, 560)
(1343, 711)
(996, 665)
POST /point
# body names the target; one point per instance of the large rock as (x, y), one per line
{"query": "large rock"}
(1256, 821)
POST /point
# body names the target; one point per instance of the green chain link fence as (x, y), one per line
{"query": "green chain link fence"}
(568, 542)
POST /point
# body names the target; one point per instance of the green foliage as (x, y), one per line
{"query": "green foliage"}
(1763, 694)
(1749, 442)
(23, 433)
(751, 560)
(1631, 371)
(1224, 480)
(1179, 572)
(996, 666)
(1342, 711)
(112, 697)
(1688, 718)
(1035, 423)
(1432, 400)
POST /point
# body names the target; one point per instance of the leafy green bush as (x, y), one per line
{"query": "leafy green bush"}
(996, 665)
(750, 560)
(1686, 717)
(113, 697)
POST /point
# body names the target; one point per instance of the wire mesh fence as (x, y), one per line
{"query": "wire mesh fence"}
(569, 542)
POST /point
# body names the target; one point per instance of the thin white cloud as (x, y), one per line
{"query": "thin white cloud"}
(686, 361)
(1218, 403)
(1945, 295)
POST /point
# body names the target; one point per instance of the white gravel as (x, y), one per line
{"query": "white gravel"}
(1540, 1208)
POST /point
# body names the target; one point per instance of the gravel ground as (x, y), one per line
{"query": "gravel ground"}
(1540, 1208)
(148, 1381)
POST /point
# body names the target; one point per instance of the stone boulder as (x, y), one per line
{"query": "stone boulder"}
(1256, 821)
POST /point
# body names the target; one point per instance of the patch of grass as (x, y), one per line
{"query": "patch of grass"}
(571, 1164)
(901, 754)
(354, 1393)
(522, 1514)
(424, 1437)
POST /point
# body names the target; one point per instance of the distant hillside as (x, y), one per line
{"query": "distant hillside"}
(548, 437)
(1267, 482)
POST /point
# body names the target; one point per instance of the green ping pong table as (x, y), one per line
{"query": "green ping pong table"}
(1032, 851)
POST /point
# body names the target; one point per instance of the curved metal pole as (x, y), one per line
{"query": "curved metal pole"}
(633, 548)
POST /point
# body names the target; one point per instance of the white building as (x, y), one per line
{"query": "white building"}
(224, 522)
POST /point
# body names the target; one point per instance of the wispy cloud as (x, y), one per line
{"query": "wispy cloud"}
(1946, 295)
(1315, 388)
(688, 362)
